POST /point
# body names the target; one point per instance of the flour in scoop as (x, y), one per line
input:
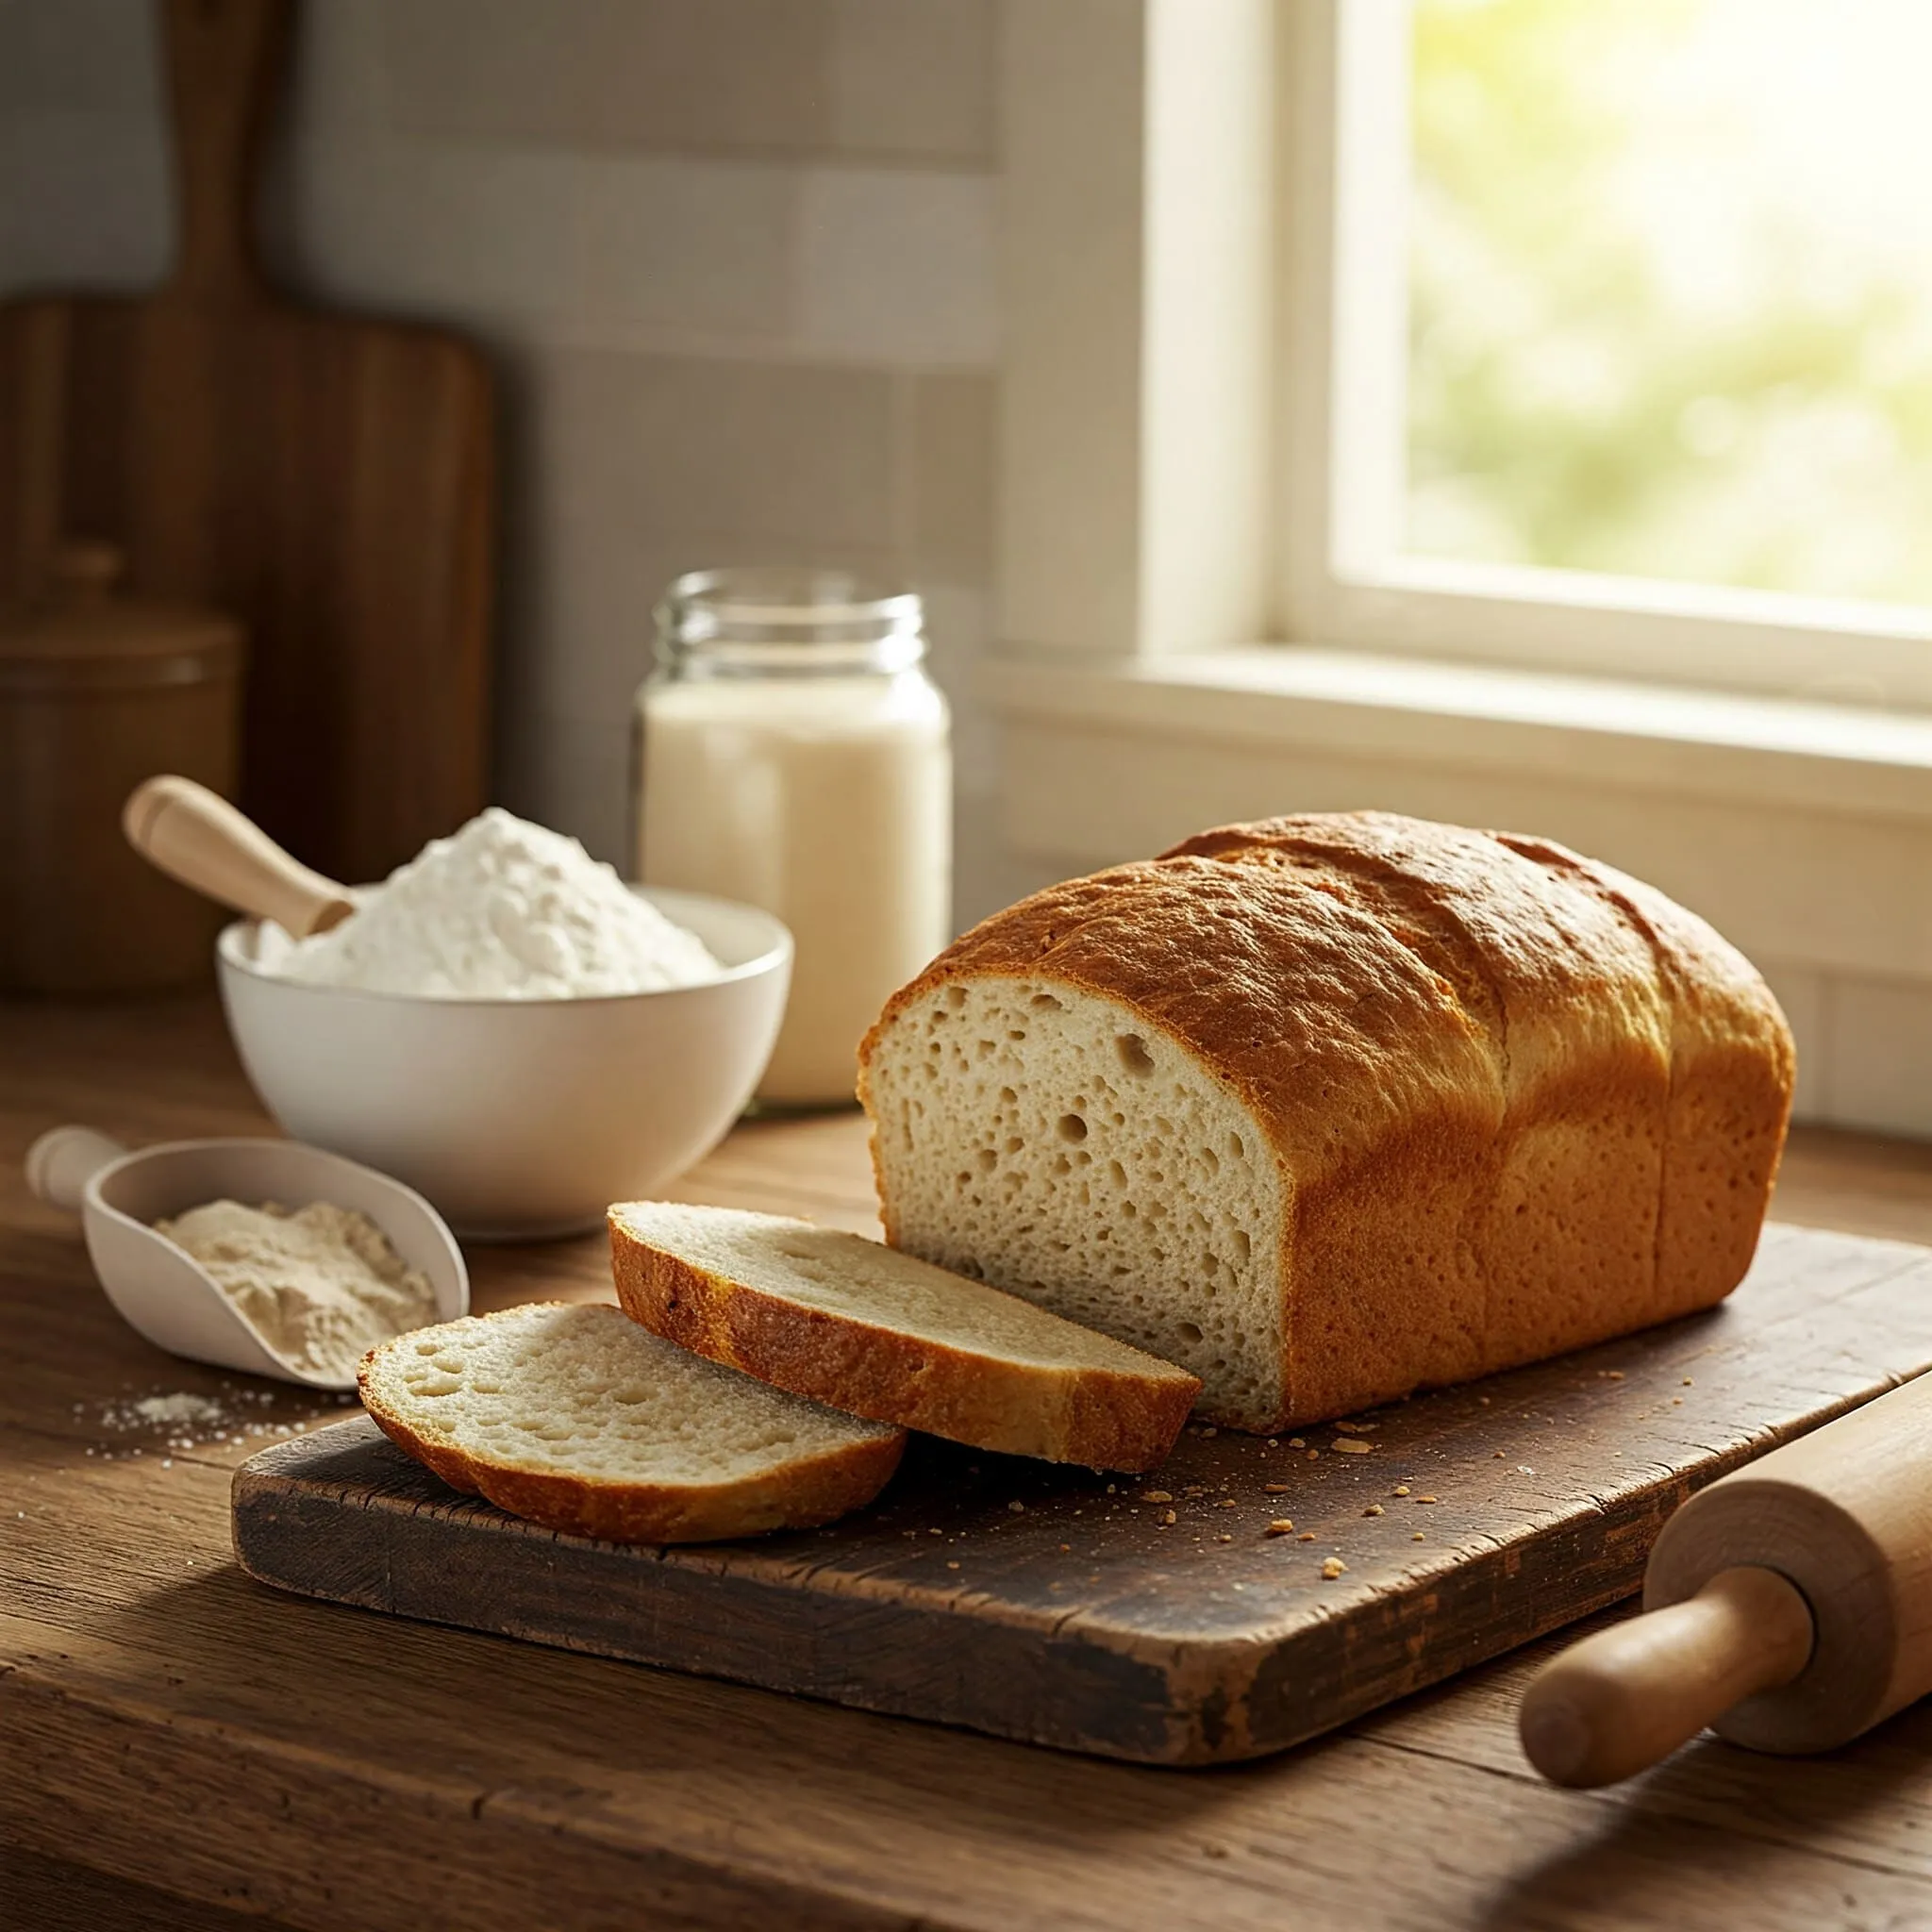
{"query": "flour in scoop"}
(320, 1285)
(502, 911)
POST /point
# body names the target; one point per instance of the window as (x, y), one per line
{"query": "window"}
(1613, 338)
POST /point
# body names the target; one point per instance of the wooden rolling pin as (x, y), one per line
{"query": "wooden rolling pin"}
(1788, 1607)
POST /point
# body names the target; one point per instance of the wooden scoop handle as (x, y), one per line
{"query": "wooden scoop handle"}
(1628, 1696)
(190, 833)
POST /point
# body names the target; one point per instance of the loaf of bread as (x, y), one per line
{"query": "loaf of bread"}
(1331, 1108)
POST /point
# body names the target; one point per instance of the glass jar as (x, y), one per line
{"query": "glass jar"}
(792, 752)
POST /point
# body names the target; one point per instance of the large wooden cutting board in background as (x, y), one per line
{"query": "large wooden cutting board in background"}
(327, 477)
(1047, 1604)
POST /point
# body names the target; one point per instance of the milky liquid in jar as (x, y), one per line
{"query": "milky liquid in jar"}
(793, 754)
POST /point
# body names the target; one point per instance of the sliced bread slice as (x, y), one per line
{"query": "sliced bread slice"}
(575, 1418)
(862, 1328)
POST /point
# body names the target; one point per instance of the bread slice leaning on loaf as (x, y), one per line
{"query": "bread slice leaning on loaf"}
(573, 1417)
(847, 1322)
(1330, 1109)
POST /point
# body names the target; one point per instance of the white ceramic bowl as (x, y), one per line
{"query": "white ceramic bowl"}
(518, 1119)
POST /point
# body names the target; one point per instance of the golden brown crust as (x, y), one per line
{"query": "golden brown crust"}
(1733, 1066)
(1282, 990)
(1558, 1239)
(1104, 1418)
(1518, 1102)
(804, 1494)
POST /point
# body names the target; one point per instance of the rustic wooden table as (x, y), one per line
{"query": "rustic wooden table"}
(180, 1748)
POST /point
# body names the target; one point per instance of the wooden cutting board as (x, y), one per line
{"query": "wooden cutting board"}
(327, 477)
(1051, 1606)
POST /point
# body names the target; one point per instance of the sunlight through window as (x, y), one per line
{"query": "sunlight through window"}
(1670, 290)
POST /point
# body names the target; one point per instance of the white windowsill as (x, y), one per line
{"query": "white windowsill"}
(1662, 740)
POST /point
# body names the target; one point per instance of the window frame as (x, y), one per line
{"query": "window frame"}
(1341, 581)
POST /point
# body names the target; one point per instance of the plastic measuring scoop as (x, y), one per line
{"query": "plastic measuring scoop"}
(161, 1292)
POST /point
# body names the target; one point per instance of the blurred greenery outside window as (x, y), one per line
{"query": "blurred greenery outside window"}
(1670, 290)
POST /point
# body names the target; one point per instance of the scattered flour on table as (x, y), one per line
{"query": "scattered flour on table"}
(177, 1410)
(171, 1422)
(320, 1285)
(502, 911)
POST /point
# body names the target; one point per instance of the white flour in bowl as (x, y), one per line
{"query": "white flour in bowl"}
(503, 911)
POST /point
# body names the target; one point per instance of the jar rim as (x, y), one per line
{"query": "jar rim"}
(787, 597)
(766, 619)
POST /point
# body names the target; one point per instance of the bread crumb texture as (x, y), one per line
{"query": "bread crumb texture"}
(1333, 1107)
(573, 1416)
(1075, 1143)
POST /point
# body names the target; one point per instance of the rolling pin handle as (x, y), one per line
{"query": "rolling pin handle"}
(61, 1162)
(1627, 1697)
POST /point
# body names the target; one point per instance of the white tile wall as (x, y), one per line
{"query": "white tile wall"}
(1802, 993)
(901, 79)
(744, 451)
(674, 244)
(83, 198)
(338, 77)
(735, 260)
(950, 456)
(491, 71)
(1877, 1069)
(913, 78)
(959, 628)
(760, 260)
(93, 54)
(467, 235)
(898, 267)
